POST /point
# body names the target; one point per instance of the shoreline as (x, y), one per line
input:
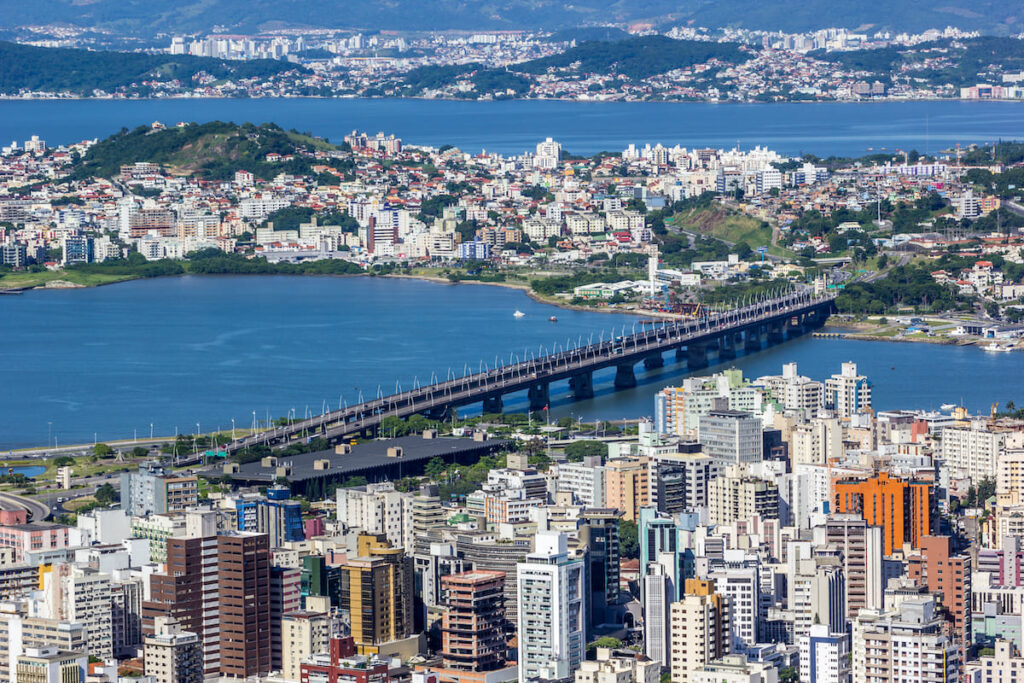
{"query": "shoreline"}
(80, 98)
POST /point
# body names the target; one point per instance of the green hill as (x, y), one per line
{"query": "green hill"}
(212, 150)
(26, 67)
(636, 58)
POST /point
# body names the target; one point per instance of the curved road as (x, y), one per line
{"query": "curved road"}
(37, 511)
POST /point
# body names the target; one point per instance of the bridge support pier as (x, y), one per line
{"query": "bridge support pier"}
(582, 385)
(653, 362)
(696, 356)
(752, 339)
(726, 347)
(625, 378)
(794, 328)
(775, 335)
(493, 405)
(681, 354)
(539, 396)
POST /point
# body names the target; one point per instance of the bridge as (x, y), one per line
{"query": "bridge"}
(768, 320)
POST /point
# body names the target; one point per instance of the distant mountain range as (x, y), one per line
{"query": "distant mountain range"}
(149, 17)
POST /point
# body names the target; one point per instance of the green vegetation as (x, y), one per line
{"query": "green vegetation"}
(629, 539)
(291, 217)
(106, 494)
(909, 285)
(84, 71)
(214, 150)
(577, 450)
(603, 642)
(977, 495)
(636, 58)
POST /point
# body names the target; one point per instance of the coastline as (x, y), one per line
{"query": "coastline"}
(79, 98)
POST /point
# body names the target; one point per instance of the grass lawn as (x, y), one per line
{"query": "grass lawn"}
(731, 227)
(78, 503)
(21, 280)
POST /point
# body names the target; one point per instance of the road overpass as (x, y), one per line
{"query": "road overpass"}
(37, 510)
(767, 320)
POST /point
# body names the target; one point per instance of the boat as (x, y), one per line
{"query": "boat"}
(997, 348)
(518, 314)
(553, 319)
(947, 406)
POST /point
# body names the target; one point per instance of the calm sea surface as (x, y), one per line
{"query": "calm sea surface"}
(510, 127)
(174, 352)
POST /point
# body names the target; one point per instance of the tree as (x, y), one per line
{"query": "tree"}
(605, 642)
(577, 450)
(139, 452)
(435, 468)
(106, 494)
(789, 674)
(102, 450)
(629, 539)
(63, 461)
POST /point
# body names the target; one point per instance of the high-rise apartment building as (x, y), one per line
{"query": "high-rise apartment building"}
(735, 496)
(376, 589)
(731, 437)
(188, 592)
(824, 656)
(151, 490)
(904, 645)
(552, 595)
(860, 547)
(304, 634)
(699, 629)
(627, 486)
(473, 627)
(972, 452)
(679, 481)
(848, 393)
(947, 573)
(243, 563)
(902, 508)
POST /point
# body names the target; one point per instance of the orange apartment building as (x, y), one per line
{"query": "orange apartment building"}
(902, 508)
(627, 486)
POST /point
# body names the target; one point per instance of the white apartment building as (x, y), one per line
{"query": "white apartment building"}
(972, 452)
(659, 589)
(1003, 666)
(903, 645)
(816, 442)
(551, 619)
(377, 509)
(699, 627)
(172, 655)
(792, 390)
(678, 410)
(825, 656)
(584, 481)
(303, 634)
(848, 393)
(741, 585)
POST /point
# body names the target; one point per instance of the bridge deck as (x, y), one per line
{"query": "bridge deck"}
(495, 382)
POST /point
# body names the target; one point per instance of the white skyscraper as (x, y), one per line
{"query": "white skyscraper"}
(551, 611)
(658, 594)
(824, 656)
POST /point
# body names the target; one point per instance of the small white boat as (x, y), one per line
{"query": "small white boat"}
(947, 406)
(1000, 348)
(518, 314)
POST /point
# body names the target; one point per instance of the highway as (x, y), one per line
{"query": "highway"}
(37, 510)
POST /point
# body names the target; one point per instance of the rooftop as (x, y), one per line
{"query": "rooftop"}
(367, 457)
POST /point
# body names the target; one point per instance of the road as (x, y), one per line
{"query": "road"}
(37, 509)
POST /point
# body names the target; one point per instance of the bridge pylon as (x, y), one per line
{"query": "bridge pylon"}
(493, 405)
(696, 356)
(752, 339)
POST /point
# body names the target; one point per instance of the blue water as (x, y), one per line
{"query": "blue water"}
(510, 127)
(29, 471)
(175, 352)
